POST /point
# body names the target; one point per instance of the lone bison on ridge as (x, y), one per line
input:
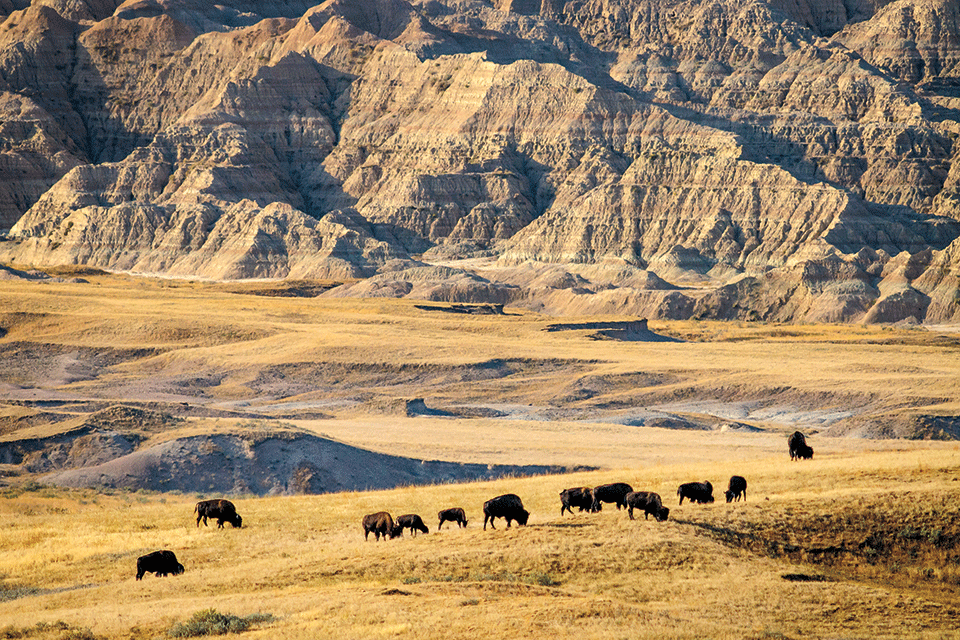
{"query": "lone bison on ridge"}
(799, 449)
(380, 524)
(454, 514)
(221, 510)
(508, 506)
(649, 502)
(413, 522)
(736, 488)
(614, 492)
(161, 563)
(700, 492)
(580, 497)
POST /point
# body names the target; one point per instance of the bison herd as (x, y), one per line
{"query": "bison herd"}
(590, 499)
(508, 506)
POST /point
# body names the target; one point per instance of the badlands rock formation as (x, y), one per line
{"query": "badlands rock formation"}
(755, 159)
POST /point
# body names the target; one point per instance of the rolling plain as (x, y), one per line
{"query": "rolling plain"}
(861, 541)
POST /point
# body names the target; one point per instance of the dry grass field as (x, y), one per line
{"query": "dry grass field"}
(861, 541)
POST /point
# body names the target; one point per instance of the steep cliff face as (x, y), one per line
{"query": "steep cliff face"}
(794, 159)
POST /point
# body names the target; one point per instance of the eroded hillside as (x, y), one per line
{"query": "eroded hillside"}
(745, 159)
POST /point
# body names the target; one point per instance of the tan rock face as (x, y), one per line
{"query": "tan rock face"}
(775, 154)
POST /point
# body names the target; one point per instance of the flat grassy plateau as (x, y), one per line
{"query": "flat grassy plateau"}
(861, 541)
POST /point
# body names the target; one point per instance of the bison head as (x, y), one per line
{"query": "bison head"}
(523, 516)
(729, 495)
(662, 514)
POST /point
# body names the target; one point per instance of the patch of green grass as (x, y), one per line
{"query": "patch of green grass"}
(211, 622)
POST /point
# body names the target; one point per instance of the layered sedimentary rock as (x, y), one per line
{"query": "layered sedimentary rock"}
(789, 159)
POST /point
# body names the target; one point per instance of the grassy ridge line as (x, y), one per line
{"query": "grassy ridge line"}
(303, 559)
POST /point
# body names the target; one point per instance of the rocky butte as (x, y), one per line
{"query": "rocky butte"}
(789, 160)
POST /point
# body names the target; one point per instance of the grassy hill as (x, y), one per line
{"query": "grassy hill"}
(851, 544)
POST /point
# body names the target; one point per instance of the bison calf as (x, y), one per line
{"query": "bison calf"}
(649, 502)
(221, 510)
(700, 492)
(454, 514)
(508, 506)
(413, 522)
(580, 497)
(736, 488)
(380, 524)
(615, 492)
(161, 563)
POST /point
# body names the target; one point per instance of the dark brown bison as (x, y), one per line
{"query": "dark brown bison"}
(799, 449)
(413, 522)
(615, 492)
(380, 524)
(736, 488)
(700, 492)
(649, 502)
(454, 514)
(508, 507)
(221, 510)
(162, 563)
(579, 497)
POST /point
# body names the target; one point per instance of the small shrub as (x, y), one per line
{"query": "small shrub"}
(544, 580)
(211, 622)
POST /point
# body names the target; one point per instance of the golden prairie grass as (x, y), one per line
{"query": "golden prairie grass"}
(709, 571)
(867, 530)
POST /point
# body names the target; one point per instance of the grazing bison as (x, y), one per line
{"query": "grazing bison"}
(649, 502)
(222, 510)
(161, 563)
(508, 507)
(736, 488)
(701, 492)
(580, 497)
(380, 524)
(615, 492)
(799, 450)
(413, 522)
(454, 514)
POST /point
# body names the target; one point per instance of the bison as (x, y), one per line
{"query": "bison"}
(799, 449)
(162, 563)
(380, 524)
(413, 522)
(615, 492)
(222, 510)
(736, 488)
(508, 507)
(649, 502)
(701, 492)
(580, 497)
(454, 514)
